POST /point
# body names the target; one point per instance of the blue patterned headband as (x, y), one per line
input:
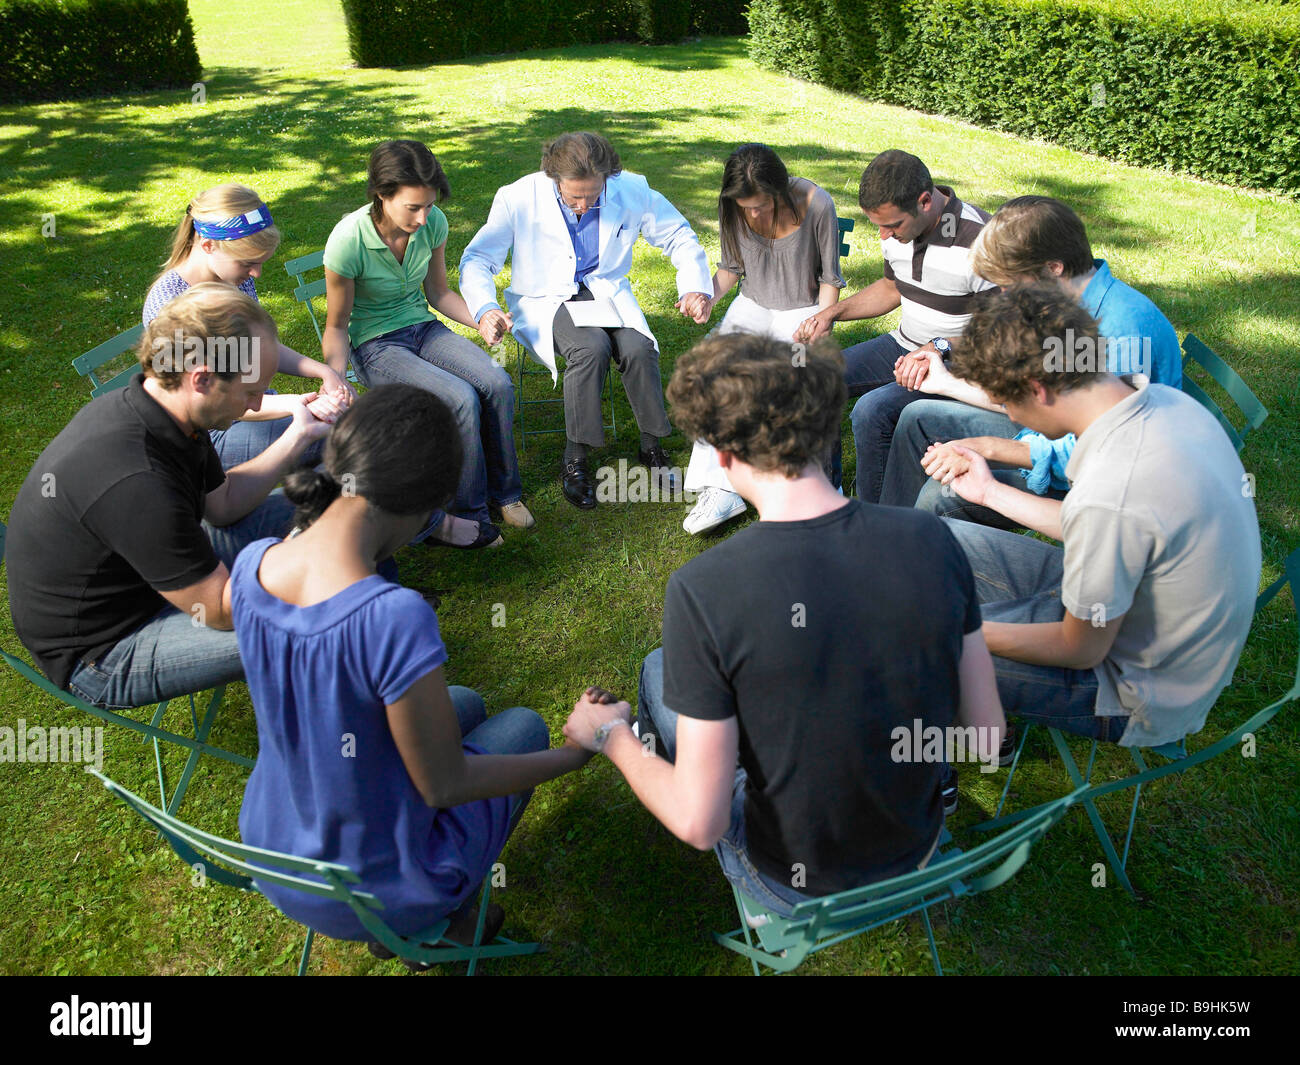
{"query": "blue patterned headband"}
(243, 225)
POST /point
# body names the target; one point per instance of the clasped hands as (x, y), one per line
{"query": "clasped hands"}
(593, 709)
(333, 398)
(956, 465)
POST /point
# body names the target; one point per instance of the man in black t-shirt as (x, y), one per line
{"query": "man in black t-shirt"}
(116, 586)
(803, 647)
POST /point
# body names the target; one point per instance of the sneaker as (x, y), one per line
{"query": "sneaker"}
(1007, 750)
(516, 515)
(948, 789)
(715, 506)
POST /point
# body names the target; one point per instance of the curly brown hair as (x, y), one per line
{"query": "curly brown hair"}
(1029, 333)
(775, 405)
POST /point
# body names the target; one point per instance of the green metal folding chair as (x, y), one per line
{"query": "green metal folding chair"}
(784, 942)
(524, 374)
(305, 291)
(196, 744)
(92, 364)
(237, 866)
(1178, 760)
(845, 226)
(1196, 353)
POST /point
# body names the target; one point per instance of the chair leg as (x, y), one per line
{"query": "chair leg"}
(1103, 837)
(1015, 762)
(306, 952)
(934, 951)
(201, 730)
(484, 896)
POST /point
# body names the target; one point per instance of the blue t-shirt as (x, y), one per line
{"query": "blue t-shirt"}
(329, 782)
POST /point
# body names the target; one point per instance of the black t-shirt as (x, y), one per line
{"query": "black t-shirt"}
(822, 636)
(108, 517)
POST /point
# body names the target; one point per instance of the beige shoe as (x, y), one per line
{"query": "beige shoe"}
(517, 515)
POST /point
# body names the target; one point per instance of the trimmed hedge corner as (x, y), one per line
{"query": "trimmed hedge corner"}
(59, 49)
(396, 33)
(1202, 86)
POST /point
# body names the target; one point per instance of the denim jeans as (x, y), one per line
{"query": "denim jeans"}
(731, 849)
(479, 393)
(1018, 580)
(172, 654)
(514, 731)
(869, 374)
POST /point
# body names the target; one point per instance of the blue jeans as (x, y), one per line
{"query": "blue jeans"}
(171, 654)
(1018, 580)
(479, 393)
(869, 374)
(514, 731)
(731, 849)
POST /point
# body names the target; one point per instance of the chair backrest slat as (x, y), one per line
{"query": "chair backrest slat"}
(1253, 412)
(89, 364)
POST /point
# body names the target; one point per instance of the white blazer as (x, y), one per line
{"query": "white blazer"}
(526, 216)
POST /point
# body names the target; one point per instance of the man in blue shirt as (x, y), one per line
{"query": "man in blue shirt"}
(1031, 238)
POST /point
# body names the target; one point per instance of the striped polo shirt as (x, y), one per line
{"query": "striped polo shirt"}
(934, 275)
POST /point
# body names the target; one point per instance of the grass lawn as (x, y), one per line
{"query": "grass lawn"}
(86, 889)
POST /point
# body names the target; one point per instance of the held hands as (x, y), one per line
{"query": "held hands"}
(306, 424)
(938, 377)
(956, 465)
(911, 370)
(494, 325)
(696, 306)
(335, 396)
(811, 329)
(596, 707)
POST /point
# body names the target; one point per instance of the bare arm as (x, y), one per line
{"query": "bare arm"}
(973, 481)
(440, 295)
(723, 282)
(691, 797)
(206, 601)
(981, 707)
(879, 297)
(250, 482)
(1070, 643)
(427, 735)
(335, 346)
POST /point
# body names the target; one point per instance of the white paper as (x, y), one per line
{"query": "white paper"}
(597, 312)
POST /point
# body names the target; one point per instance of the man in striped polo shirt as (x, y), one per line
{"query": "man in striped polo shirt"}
(925, 237)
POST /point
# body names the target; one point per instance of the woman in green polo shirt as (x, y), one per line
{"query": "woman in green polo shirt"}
(384, 266)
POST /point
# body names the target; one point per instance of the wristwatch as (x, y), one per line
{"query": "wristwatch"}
(942, 346)
(602, 732)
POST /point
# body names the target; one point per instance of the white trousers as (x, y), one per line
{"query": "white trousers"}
(743, 316)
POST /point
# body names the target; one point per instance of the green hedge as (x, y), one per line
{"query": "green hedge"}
(1202, 86)
(394, 33)
(57, 49)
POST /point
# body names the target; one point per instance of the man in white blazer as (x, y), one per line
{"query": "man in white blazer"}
(572, 226)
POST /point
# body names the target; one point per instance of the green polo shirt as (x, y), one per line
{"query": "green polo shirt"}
(388, 294)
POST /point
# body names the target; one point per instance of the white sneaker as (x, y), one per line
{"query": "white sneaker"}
(714, 506)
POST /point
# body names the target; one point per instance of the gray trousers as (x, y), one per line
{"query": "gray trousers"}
(587, 353)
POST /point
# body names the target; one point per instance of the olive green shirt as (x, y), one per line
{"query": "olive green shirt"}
(388, 294)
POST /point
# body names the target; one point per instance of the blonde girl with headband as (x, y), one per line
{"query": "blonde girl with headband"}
(227, 235)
